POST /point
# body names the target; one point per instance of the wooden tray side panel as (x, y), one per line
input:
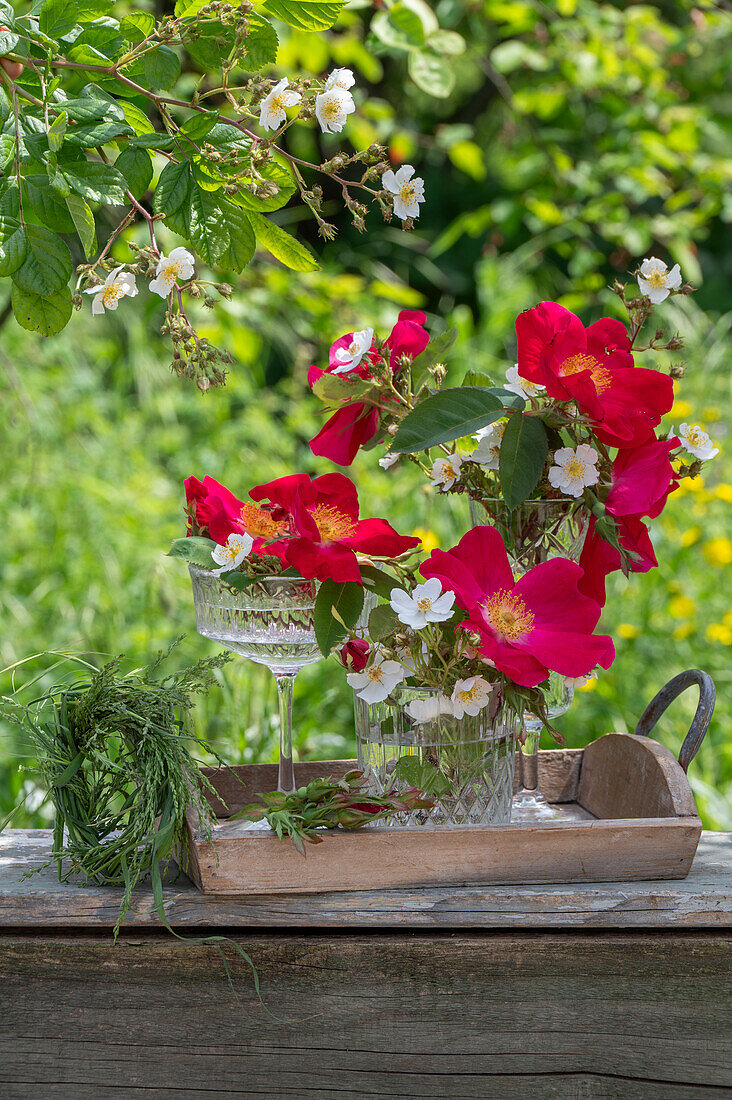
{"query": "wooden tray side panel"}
(624, 776)
(380, 858)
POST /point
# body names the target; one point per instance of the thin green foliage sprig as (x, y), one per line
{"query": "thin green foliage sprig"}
(113, 751)
(347, 803)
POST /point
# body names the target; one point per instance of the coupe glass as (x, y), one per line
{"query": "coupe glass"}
(272, 623)
(534, 532)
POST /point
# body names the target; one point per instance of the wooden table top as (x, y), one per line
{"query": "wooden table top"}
(702, 900)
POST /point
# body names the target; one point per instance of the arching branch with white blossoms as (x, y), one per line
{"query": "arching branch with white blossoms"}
(211, 165)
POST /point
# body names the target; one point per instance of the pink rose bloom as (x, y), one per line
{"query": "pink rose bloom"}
(327, 531)
(593, 367)
(355, 424)
(527, 627)
(643, 478)
(355, 654)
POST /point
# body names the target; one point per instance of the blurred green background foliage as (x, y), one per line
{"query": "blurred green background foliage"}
(566, 142)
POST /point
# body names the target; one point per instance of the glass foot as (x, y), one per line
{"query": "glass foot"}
(533, 809)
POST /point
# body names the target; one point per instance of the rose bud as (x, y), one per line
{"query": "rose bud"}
(355, 654)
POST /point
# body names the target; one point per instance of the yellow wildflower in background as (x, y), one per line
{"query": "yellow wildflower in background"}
(681, 607)
(628, 631)
(718, 552)
(683, 630)
(718, 632)
(429, 539)
(724, 492)
(690, 536)
(680, 408)
(711, 412)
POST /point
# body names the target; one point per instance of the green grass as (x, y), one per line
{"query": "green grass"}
(97, 439)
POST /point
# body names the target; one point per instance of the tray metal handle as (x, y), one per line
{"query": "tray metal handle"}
(701, 720)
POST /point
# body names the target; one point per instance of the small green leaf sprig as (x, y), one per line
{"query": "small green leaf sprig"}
(324, 804)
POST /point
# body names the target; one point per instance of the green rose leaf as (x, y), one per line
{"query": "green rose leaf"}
(377, 580)
(47, 266)
(136, 167)
(14, 247)
(262, 44)
(242, 242)
(46, 203)
(448, 415)
(92, 104)
(8, 40)
(137, 26)
(57, 18)
(337, 608)
(212, 45)
(157, 140)
(46, 314)
(208, 227)
(195, 549)
(283, 247)
(305, 15)
(172, 189)
(161, 67)
(333, 389)
(84, 222)
(382, 621)
(93, 134)
(425, 777)
(56, 132)
(431, 73)
(200, 125)
(447, 42)
(97, 182)
(524, 447)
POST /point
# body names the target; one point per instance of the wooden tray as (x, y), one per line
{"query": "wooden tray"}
(633, 817)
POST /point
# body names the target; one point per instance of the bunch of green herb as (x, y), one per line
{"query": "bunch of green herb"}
(113, 751)
(329, 804)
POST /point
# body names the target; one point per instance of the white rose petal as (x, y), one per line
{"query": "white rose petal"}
(350, 357)
(429, 708)
(426, 604)
(118, 284)
(236, 548)
(408, 192)
(516, 384)
(272, 108)
(332, 109)
(377, 680)
(574, 470)
(446, 471)
(696, 441)
(178, 265)
(488, 451)
(340, 78)
(470, 696)
(656, 281)
(388, 461)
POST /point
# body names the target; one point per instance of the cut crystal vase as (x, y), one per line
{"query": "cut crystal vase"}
(465, 765)
(272, 623)
(534, 532)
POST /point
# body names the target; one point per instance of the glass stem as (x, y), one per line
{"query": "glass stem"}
(286, 773)
(529, 765)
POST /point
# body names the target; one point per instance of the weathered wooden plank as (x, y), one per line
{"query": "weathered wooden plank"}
(702, 900)
(473, 1016)
(627, 776)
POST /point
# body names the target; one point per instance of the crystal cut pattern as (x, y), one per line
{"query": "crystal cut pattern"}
(467, 762)
(271, 622)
